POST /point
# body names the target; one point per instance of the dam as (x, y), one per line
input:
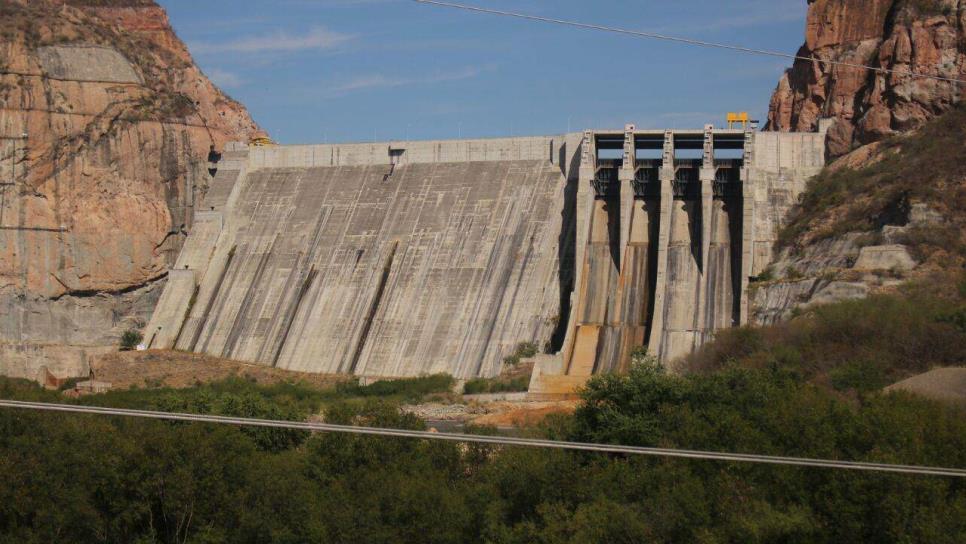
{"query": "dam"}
(414, 257)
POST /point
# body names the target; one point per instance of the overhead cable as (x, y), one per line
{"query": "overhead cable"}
(685, 41)
(495, 440)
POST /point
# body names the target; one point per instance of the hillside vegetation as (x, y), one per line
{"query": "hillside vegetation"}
(859, 345)
(926, 167)
(97, 479)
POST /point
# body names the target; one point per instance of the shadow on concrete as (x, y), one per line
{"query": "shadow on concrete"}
(566, 250)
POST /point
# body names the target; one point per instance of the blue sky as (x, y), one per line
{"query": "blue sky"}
(353, 70)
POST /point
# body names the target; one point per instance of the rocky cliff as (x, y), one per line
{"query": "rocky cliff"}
(889, 208)
(106, 127)
(885, 214)
(920, 36)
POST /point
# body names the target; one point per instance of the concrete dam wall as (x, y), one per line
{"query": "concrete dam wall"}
(406, 258)
(372, 260)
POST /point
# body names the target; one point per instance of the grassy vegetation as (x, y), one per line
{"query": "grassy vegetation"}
(496, 385)
(296, 399)
(514, 377)
(407, 389)
(921, 167)
(856, 344)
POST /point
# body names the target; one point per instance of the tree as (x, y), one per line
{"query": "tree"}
(130, 339)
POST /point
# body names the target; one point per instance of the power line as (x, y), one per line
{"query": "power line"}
(686, 41)
(496, 440)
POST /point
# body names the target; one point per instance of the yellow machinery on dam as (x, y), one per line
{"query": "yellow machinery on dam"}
(407, 258)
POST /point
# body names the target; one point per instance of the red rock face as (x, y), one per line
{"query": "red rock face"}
(905, 36)
(99, 196)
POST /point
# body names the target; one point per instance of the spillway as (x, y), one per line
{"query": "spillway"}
(407, 258)
(692, 215)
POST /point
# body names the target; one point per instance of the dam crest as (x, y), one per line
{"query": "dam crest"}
(405, 258)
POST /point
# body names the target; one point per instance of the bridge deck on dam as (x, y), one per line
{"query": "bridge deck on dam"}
(379, 270)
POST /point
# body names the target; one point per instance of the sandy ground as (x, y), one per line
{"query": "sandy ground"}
(522, 414)
(162, 368)
(497, 413)
(945, 384)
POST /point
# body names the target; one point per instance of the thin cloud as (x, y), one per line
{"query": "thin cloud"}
(382, 81)
(780, 16)
(749, 15)
(224, 78)
(317, 38)
(207, 25)
(689, 115)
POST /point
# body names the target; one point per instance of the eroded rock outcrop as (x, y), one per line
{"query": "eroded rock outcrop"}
(106, 126)
(920, 36)
(885, 210)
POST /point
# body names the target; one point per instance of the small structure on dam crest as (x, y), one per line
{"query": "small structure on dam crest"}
(406, 258)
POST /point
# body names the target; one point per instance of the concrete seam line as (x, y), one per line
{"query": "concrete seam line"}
(686, 41)
(497, 440)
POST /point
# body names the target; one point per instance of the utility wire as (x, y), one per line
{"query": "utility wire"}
(686, 41)
(497, 440)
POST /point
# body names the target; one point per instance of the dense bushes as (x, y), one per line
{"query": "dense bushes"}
(858, 344)
(123, 480)
(770, 411)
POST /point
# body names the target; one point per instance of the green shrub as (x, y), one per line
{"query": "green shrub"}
(768, 274)
(70, 383)
(793, 274)
(130, 339)
(956, 318)
(524, 350)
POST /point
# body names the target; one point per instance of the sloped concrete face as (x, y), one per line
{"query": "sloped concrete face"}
(375, 269)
